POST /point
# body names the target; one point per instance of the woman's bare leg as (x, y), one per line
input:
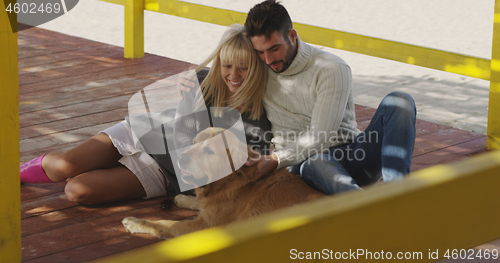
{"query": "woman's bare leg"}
(94, 173)
(104, 185)
(95, 153)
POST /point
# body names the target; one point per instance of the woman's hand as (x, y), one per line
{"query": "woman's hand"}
(186, 81)
(265, 164)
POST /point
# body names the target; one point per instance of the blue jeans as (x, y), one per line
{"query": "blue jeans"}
(384, 149)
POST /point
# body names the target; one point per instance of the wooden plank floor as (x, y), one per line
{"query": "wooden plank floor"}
(72, 88)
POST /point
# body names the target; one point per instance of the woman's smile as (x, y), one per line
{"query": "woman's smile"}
(233, 76)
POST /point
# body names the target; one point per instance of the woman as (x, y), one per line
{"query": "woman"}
(103, 169)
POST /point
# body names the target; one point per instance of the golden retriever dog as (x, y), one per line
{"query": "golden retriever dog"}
(221, 201)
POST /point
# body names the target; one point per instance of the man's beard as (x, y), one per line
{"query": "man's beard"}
(288, 58)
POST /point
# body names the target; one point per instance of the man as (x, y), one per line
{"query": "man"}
(310, 104)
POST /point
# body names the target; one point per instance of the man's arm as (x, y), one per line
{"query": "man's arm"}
(334, 87)
(332, 91)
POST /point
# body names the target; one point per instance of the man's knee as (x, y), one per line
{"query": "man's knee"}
(400, 97)
(400, 101)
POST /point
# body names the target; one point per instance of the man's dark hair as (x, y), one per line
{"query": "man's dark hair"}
(266, 18)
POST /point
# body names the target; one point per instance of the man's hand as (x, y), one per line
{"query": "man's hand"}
(265, 164)
(186, 82)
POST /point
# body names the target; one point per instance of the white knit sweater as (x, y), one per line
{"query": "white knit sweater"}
(310, 105)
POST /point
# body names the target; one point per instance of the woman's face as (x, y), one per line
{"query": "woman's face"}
(233, 75)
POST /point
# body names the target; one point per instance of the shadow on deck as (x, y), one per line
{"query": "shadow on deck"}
(70, 89)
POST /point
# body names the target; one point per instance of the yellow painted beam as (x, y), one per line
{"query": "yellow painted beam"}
(493, 132)
(411, 54)
(10, 186)
(134, 29)
(437, 209)
(201, 13)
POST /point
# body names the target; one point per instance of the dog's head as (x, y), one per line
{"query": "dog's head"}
(216, 153)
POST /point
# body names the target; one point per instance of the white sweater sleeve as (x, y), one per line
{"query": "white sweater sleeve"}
(332, 92)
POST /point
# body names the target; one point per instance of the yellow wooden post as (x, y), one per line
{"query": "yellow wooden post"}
(10, 201)
(134, 28)
(493, 140)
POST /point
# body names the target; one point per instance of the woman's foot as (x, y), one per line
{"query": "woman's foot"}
(33, 173)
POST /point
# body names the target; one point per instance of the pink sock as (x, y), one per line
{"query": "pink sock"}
(32, 172)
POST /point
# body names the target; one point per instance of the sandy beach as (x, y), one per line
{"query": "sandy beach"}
(463, 26)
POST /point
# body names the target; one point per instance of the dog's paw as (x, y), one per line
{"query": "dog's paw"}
(186, 201)
(165, 229)
(133, 225)
(164, 235)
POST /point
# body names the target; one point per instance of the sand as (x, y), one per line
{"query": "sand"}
(463, 26)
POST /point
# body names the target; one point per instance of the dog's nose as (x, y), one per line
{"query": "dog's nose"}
(183, 159)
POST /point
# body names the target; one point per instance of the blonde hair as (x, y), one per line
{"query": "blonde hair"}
(235, 48)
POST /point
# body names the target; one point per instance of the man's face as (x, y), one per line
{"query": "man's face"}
(278, 51)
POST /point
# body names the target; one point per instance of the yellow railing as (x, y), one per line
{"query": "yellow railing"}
(10, 187)
(434, 211)
(416, 55)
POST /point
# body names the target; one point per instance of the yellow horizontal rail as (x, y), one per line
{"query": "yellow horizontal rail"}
(439, 209)
(411, 54)
(201, 13)
(416, 55)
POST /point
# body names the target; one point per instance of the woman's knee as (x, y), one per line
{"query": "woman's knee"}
(77, 191)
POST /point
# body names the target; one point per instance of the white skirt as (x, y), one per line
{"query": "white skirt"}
(137, 160)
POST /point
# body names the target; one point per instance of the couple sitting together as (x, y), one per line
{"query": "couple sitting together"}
(278, 83)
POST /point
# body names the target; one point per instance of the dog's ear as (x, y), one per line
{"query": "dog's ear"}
(237, 150)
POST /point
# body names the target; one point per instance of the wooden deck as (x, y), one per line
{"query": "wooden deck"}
(70, 89)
